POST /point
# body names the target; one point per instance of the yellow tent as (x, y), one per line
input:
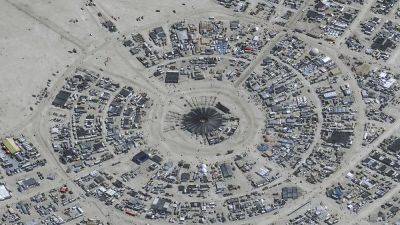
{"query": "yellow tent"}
(11, 146)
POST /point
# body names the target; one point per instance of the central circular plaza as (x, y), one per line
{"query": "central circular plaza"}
(202, 121)
(202, 118)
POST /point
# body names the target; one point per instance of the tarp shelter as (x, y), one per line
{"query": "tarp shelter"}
(4, 193)
(172, 77)
(262, 148)
(61, 98)
(11, 146)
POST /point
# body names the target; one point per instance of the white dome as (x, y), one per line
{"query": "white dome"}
(314, 51)
(203, 168)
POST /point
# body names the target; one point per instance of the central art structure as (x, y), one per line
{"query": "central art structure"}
(202, 120)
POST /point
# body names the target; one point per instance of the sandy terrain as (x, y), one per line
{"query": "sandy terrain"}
(30, 53)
